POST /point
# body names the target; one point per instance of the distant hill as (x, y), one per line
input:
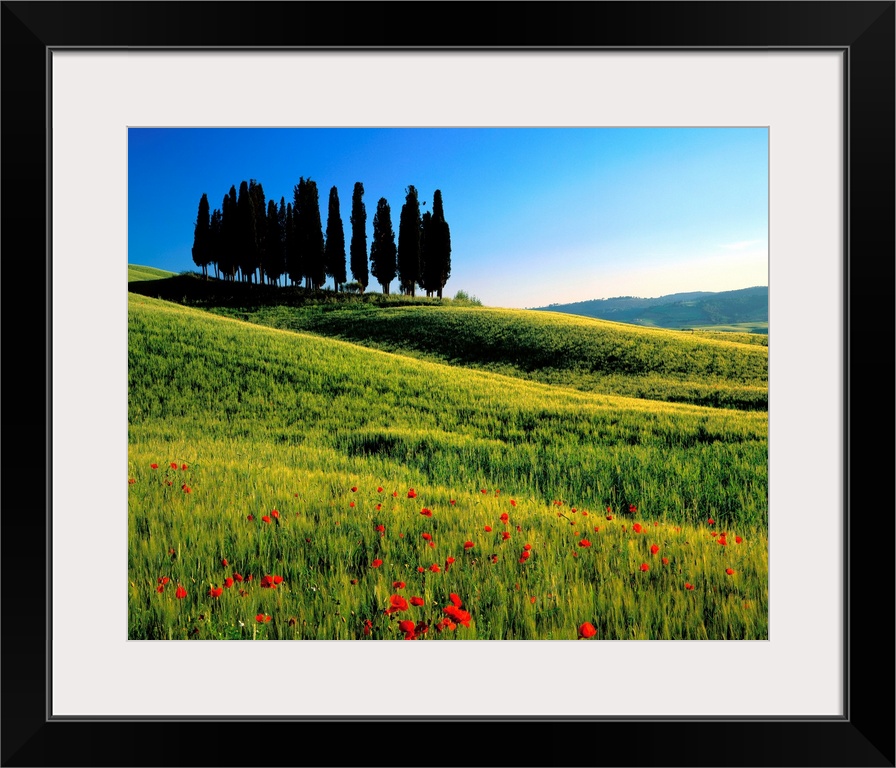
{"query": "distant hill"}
(699, 309)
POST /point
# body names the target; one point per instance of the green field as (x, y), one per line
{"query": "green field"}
(482, 412)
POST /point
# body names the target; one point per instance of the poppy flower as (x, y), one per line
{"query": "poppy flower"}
(632, 508)
(412, 494)
(584, 543)
(587, 630)
(645, 567)
(186, 489)
(427, 536)
(434, 568)
(173, 465)
(711, 521)
(729, 571)
(378, 507)
(399, 584)
(216, 592)
(368, 625)
(275, 513)
(351, 504)
(483, 490)
(354, 489)
(237, 577)
(379, 489)
(432, 544)
(505, 535)
(417, 601)
(527, 547)
(654, 549)
(277, 579)
(512, 503)
(468, 545)
(407, 626)
(448, 561)
(381, 528)
(455, 598)
(250, 518)
(532, 600)
(504, 517)
(460, 616)
(637, 528)
(396, 603)
(228, 582)
(665, 561)
(180, 593)
(131, 480)
(519, 529)
(261, 618)
(524, 555)
(267, 582)
(265, 518)
(723, 541)
(153, 466)
(609, 517)
(395, 494)
(737, 539)
(160, 589)
(421, 569)
(376, 563)
(426, 512)
(488, 529)
(353, 581)
(688, 585)
(163, 579)
(494, 558)
(452, 502)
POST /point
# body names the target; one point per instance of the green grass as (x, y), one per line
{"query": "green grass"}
(269, 419)
(138, 273)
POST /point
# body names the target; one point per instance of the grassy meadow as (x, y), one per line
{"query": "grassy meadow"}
(353, 471)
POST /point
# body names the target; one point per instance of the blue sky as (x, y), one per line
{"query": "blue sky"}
(537, 215)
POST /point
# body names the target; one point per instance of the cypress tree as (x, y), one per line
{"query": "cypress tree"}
(293, 257)
(358, 247)
(247, 254)
(214, 240)
(382, 250)
(335, 245)
(273, 251)
(259, 206)
(439, 245)
(201, 236)
(409, 243)
(228, 250)
(426, 278)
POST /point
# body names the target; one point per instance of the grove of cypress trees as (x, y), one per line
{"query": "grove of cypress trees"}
(409, 243)
(334, 250)
(358, 247)
(382, 250)
(201, 236)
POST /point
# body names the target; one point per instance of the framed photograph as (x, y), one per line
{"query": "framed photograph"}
(85, 85)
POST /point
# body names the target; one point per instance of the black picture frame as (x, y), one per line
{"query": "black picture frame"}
(864, 736)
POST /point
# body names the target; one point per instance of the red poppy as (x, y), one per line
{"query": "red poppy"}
(452, 502)
(267, 582)
(711, 521)
(494, 558)
(163, 579)
(525, 556)
(368, 625)
(250, 518)
(354, 489)
(216, 592)
(645, 567)
(427, 536)
(153, 466)
(527, 547)
(468, 545)
(729, 571)
(483, 490)
(637, 528)
(504, 517)
(584, 543)
(654, 548)
(426, 512)
(228, 582)
(632, 508)
(532, 600)
(488, 529)
(395, 494)
(512, 503)
(434, 568)
(665, 561)
(737, 539)
(455, 598)
(399, 584)
(381, 528)
(275, 513)
(186, 489)
(609, 517)
(354, 581)
(460, 616)
(421, 569)
(379, 489)
(265, 518)
(412, 494)
(406, 626)
(131, 480)
(587, 630)
(688, 585)
(416, 601)
(378, 507)
(723, 541)
(277, 579)
(261, 618)
(505, 535)
(396, 603)
(376, 563)
(448, 561)
(173, 465)
(160, 589)
(180, 593)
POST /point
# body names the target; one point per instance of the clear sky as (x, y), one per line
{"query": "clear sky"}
(537, 215)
